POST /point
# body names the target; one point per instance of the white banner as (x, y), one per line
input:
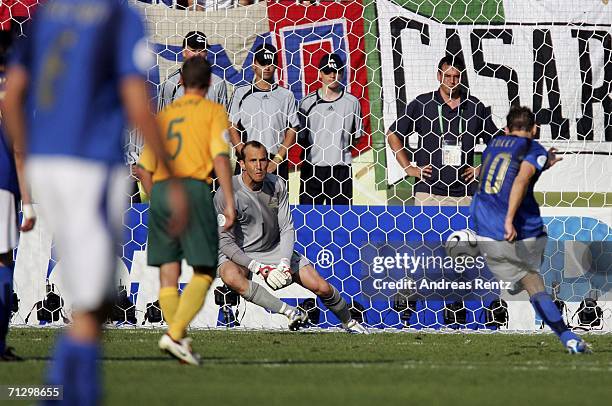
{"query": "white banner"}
(507, 63)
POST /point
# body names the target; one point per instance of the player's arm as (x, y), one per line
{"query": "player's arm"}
(222, 94)
(285, 222)
(283, 151)
(13, 115)
(293, 125)
(220, 151)
(145, 168)
(281, 276)
(552, 158)
(235, 127)
(234, 136)
(223, 170)
(164, 95)
(357, 125)
(145, 177)
(517, 194)
(396, 138)
(224, 176)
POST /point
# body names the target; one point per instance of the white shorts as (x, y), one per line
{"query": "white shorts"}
(83, 201)
(510, 262)
(9, 234)
(273, 257)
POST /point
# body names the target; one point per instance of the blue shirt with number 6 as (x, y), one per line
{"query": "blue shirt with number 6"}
(76, 53)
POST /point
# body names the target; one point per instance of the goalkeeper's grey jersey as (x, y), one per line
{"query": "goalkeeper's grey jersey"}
(263, 115)
(329, 128)
(172, 89)
(263, 220)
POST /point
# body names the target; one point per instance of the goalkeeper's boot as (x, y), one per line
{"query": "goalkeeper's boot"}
(180, 350)
(579, 346)
(353, 326)
(297, 319)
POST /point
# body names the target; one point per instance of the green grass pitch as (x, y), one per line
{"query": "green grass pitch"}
(322, 368)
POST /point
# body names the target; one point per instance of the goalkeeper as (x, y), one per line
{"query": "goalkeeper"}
(263, 235)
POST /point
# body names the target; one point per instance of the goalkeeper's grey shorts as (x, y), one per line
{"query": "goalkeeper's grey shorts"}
(510, 262)
(272, 257)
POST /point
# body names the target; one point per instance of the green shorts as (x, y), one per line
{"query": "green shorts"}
(199, 243)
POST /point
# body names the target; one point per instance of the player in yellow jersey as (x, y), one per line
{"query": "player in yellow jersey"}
(194, 131)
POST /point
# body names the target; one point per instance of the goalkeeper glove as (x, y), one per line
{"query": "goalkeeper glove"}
(280, 276)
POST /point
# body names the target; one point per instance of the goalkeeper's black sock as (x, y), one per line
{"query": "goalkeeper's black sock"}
(337, 305)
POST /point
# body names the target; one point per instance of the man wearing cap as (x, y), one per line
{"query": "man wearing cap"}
(266, 112)
(330, 121)
(194, 43)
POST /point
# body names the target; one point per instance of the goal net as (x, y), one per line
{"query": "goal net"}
(555, 57)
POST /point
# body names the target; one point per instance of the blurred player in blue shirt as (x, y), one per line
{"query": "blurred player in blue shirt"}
(9, 199)
(10, 195)
(70, 85)
(507, 219)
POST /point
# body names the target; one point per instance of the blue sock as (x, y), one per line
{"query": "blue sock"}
(6, 295)
(60, 368)
(75, 366)
(548, 311)
(87, 375)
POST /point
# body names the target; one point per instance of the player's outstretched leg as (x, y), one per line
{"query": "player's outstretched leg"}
(309, 278)
(543, 303)
(235, 277)
(6, 294)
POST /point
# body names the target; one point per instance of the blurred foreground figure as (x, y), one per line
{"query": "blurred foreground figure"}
(70, 85)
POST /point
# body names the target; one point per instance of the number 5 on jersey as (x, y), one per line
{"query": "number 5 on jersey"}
(173, 133)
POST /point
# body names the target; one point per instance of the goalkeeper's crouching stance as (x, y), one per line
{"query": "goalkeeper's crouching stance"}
(262, 241)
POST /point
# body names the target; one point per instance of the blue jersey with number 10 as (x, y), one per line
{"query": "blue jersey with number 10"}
(501, 163)
(76, 53)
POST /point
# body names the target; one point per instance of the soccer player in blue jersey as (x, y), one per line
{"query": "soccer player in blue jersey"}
(9, 198)
(507, 220)
(70, 85)
(12, 181)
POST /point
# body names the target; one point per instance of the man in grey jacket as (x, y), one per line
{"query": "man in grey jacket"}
(262, 241)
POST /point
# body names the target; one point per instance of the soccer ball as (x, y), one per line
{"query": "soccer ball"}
(462, 243)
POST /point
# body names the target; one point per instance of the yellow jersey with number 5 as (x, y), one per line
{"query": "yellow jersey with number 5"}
(194, 131)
